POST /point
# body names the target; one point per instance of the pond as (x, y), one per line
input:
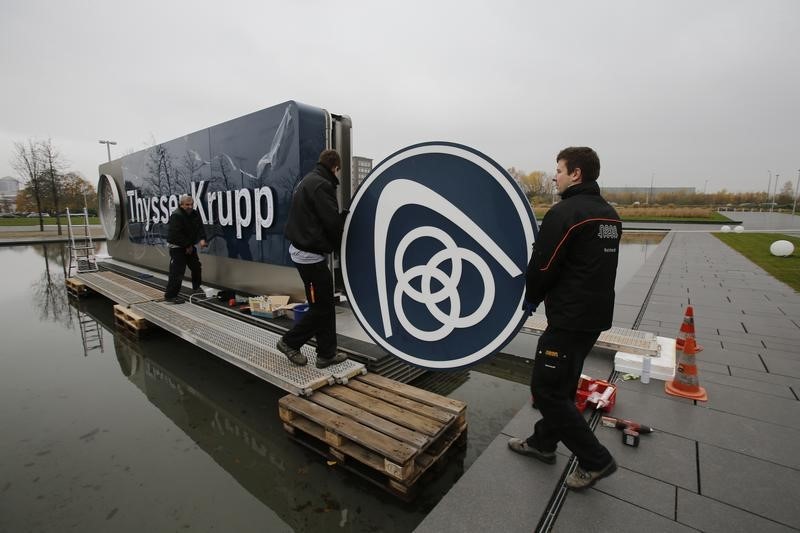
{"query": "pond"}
(101, 432)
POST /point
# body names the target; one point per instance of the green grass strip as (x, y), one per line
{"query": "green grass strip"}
(755, 247)
(33, 221)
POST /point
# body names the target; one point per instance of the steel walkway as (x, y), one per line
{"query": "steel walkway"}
(249, 347)
(619, 339)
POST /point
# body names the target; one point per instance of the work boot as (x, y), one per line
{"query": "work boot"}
(325, 362)
(294, 355)
(173, 301)
(581, 479)
(521, 446)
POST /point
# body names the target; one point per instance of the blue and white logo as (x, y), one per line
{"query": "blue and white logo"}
(434, 255)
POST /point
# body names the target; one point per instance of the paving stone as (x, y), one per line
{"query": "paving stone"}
(594, 511)
(760, 487)
(771, 328)
(644, 491)
(709, 426)
(716, 368)
(669, 458)
(712, 516)
(771, 344)
(767, 377)
(792, 355)
(712, 353)
(498, 482)
(781, 391)
(763, 407)
(738, 338)
(779, 365)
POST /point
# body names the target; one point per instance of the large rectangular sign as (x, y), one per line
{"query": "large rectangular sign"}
(241, 174)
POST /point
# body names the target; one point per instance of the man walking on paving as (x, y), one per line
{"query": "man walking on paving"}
(572, 269)
(185, 229)
(314, 229)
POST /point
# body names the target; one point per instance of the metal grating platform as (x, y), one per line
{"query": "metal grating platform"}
(247, 346)
(619, 339)
(119, 288)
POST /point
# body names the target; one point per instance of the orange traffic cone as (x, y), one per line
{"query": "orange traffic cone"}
(686, 383)
(687, 330)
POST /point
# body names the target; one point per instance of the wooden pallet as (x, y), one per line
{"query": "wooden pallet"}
(389, 432)
(76, 287)
(129, 320)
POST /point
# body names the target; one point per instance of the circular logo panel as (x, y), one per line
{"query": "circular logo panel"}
(434, 255)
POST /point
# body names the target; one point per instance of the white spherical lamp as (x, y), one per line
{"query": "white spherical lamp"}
(725, 229)
(738, 229)
(781, 248)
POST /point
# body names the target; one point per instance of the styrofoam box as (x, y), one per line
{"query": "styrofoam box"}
(661, 367)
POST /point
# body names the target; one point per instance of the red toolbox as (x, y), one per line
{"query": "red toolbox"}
(597, 393)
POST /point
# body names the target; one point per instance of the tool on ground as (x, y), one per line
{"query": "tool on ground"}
(621, 423)
(630, 437)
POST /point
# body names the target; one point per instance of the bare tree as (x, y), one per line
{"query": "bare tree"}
(28, 165)
(53, 168)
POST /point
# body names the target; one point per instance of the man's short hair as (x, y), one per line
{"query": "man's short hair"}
(581, 157)
(185, 197)
(330, 159)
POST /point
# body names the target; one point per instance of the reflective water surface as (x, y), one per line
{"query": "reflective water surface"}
(101, 432)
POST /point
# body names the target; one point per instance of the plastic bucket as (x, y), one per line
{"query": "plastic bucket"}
(299, 312)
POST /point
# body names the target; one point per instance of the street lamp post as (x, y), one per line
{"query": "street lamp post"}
(796, 192)
(769, 186)
(108, 147)
(774, 191)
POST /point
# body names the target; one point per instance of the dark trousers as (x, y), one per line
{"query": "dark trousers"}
(179, 259)
(556, 371)
(320, 320)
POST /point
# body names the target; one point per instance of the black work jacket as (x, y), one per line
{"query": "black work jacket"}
(574, 261)
(315, 224)
(185, 229)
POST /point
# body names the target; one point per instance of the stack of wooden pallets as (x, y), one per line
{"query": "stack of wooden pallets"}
(129, 320)
(388, 432)
(76, 287)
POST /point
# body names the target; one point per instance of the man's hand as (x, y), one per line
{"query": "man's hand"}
(528, 308)
(203, 243)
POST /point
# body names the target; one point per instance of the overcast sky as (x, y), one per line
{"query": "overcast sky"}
(682, 91)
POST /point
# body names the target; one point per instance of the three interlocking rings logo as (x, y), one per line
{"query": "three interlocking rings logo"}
(434, 255)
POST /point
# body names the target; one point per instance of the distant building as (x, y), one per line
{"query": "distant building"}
(9, 187)
(361, 166)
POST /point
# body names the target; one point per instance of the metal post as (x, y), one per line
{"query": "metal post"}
(796, 192)
(108, 147)
(774, 191)
(769, 186)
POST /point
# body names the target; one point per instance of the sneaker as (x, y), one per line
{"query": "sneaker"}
(521, 446)
(581, 479)
(294, 355)
(173, 301)
(325, 362)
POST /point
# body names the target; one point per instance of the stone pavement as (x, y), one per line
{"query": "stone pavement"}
(729, 464)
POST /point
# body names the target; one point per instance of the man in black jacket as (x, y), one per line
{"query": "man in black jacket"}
(572, 269)
(185, 229)
(314, 229)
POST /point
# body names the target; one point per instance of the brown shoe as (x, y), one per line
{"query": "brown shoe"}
(521, 446)
(294, 355)
(581, 479)
(325, 362)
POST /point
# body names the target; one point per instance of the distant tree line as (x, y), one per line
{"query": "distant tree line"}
(47, 186)
(539, 188)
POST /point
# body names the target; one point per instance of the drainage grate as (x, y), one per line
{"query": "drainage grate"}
(246, 346)
(118, 288)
